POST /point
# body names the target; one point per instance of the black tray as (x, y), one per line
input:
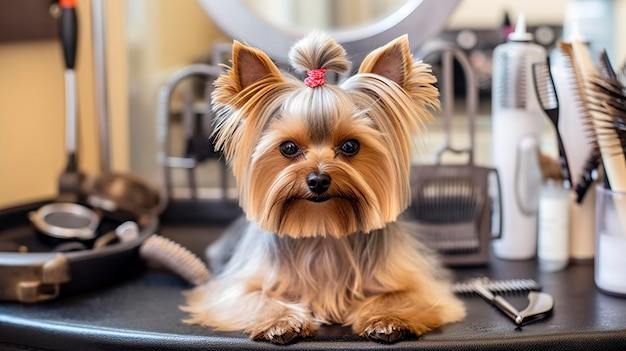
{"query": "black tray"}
(88, 269)
(142, 313)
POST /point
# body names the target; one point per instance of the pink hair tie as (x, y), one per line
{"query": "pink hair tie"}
(315, 77)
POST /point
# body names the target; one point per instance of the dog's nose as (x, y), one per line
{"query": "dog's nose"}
(318, 183)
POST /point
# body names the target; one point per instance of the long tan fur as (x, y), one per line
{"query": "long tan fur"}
(310, 258)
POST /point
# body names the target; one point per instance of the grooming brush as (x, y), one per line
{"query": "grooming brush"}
(619, 123)
(618, 116)
(539, 304)
(613, 160)
(615, 167)
(609, 104)
(177, 259)
(606, 68)
(549, 101)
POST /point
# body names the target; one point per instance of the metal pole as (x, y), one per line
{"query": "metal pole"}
(97, 12)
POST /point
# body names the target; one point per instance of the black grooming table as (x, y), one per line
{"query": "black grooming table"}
(141, 313)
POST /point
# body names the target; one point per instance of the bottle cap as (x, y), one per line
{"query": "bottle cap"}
(575, 33)
(520, 33)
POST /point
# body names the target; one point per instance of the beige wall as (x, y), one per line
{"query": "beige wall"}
(489, 13)
(142, 53)
(117, 82)
(164, 35)
(171, 34)
(32, 144)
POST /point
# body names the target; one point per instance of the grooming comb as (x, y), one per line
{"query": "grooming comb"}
(547, 97)
(496, 286)
(576, 81)
(177, 259)
(539, 304)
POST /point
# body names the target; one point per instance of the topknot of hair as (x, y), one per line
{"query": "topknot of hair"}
(317, 50)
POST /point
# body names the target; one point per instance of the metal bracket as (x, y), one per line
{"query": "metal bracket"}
(33, 277)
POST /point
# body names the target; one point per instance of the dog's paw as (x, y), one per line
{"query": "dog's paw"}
(283, 332)
(386, 331)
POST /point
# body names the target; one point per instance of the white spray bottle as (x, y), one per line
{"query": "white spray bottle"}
(516, 128)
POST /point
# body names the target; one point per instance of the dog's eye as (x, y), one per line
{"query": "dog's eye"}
(289, 149)
(350, 147)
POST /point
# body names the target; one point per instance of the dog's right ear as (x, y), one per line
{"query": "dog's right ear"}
(249, 66)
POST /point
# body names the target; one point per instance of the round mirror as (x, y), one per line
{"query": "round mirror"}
(306, 15)
(272, 25)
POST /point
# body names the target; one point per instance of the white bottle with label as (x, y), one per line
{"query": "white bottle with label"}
(553, 235)
(517, 120)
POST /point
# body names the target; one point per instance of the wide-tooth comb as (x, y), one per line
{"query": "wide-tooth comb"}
(508, 286)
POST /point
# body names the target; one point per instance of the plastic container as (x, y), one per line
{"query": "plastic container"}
(517, 120)
(610, 260)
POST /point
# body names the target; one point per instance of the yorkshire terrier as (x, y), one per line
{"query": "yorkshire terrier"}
(323, 175)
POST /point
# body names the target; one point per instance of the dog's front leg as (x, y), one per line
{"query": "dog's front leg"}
(281, 322)
(226, 305)
(389, 317)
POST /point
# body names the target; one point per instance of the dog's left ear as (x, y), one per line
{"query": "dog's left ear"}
(395, 62)
(392, 61)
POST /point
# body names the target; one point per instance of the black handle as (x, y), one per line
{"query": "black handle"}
(565, 171)
(586, 178)
(68, 31)
(498, 234)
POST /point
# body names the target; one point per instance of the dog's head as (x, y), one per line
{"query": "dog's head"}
(316, 159)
